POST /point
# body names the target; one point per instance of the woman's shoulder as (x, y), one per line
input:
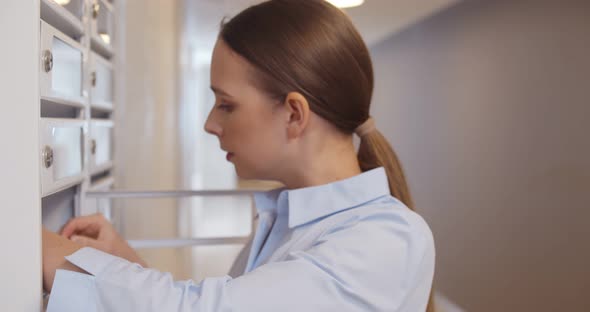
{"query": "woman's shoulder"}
(380, 245)
(396, 214)
(383, 220)
(386, 211)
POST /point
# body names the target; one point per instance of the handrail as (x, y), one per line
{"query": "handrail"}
(168, 194)
(178, 242)
(184, 242)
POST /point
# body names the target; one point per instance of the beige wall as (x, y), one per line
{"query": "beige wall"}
(487, 105)
(147, 152)
(161, 144)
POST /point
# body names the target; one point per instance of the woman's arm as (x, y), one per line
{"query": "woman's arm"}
(55, 249)
(88, 231)
(371, 266)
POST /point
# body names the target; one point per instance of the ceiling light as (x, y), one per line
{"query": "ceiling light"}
(62, 2)
(346, 3)
(106, 38)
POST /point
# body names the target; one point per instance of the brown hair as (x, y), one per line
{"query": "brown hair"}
(313, 48)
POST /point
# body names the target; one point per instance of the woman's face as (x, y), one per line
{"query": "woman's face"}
(249, 124)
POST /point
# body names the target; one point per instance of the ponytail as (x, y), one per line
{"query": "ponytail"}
(375, 151)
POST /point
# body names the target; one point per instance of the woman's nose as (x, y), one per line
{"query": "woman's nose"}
(212, 127)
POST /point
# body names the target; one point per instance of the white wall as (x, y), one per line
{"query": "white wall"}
(487, 105)
(20, 204)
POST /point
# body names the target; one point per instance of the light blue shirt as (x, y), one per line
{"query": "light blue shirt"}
(343, 246)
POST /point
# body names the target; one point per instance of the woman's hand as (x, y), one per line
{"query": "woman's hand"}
(97, 232)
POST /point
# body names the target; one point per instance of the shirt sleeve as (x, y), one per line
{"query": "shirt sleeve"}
(115, 284)
(346, 270)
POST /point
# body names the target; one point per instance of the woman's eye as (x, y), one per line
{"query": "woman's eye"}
(225, 107)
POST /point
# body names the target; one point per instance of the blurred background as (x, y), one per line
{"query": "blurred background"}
(485, 102)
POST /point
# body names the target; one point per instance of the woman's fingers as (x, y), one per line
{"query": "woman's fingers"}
(95, 231)
(88, 242)
(87, 225)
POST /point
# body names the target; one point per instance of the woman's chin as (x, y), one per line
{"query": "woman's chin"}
(245, 174)
(240, 173)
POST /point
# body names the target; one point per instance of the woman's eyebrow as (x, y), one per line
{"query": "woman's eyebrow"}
(219, 91)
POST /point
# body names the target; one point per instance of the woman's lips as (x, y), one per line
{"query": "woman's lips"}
(229, 156)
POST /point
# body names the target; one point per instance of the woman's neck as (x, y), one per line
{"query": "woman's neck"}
(323, 163)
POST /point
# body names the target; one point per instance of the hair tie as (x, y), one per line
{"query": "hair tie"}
(367, 127)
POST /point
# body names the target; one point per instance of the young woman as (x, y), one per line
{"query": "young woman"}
(293, 83)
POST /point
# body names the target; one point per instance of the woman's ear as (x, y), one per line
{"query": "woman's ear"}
(298, 114)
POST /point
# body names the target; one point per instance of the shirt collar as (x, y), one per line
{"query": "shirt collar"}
(311, 203)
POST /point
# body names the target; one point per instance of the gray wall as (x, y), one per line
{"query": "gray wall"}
(487, 105)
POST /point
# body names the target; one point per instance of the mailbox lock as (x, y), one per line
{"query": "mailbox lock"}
(47, 60)
(47, 156)
(93, 147)
(93, 79)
